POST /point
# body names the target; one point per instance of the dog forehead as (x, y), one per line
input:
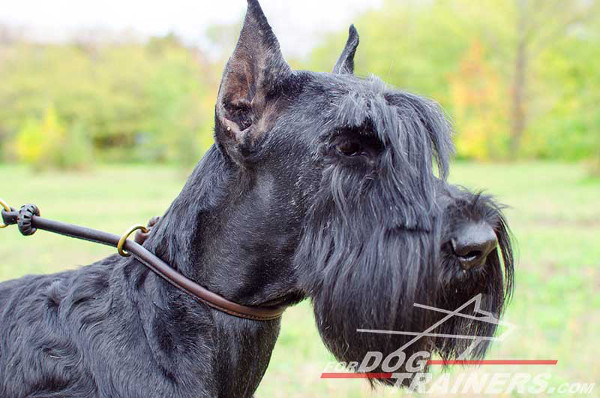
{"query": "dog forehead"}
(332, 86)
(345, 100)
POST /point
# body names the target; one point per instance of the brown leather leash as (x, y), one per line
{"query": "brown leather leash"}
(28, 220)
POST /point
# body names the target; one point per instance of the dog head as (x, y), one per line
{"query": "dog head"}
(342, 171)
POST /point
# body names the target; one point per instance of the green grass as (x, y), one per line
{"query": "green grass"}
(554, 215)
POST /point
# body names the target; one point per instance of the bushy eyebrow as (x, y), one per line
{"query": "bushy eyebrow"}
(431, 119)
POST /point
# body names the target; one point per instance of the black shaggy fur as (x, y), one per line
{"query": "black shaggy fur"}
(319, 186)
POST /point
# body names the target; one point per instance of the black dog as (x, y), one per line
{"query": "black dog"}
(320, 185)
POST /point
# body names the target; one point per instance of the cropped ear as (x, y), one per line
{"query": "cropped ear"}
(345, 64)
(248, 92)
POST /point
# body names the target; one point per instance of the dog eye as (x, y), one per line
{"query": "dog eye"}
(349, 148)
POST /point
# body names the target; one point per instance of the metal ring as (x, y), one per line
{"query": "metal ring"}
(6, 209)
(125, 236)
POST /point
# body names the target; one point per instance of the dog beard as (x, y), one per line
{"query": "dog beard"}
(363, 285)
(368, 281)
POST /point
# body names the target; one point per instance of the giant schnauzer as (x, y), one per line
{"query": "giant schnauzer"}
(320, 185)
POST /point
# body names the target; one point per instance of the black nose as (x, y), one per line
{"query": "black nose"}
(473, 243)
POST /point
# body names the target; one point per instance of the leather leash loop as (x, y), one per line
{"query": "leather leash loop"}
(29, 220)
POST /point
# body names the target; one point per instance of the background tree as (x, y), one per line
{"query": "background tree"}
(538, 60)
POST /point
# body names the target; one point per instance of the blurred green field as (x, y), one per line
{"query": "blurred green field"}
(554, 215)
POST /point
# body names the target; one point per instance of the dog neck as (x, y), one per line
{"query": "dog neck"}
(221, 233)
(204, 235)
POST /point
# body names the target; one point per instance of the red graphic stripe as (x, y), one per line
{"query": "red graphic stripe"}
(356, 375)
(494, 362)
(343, 375)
